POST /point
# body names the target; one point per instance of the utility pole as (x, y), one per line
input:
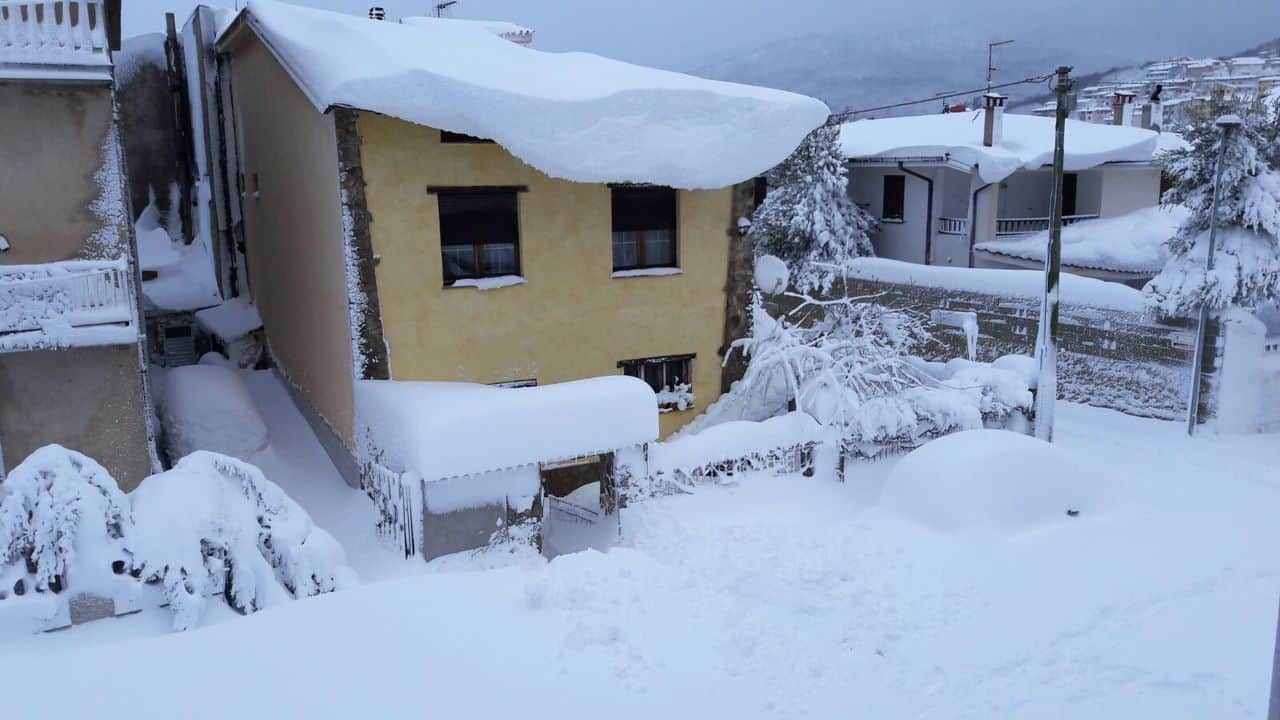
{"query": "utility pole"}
(445, 5)
(991, 46)
(1226, 124)
(1047, 337)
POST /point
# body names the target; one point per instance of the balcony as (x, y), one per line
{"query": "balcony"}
(1028, 225)
(49, 305)
(53, 32)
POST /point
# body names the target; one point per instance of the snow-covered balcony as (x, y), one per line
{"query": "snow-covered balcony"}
(35, 36)
(65, 304)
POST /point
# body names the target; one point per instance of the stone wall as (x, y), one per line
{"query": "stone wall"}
(1112, 358)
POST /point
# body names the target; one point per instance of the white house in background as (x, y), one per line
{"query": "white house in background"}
(943, 185)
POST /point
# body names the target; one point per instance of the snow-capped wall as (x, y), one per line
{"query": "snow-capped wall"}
(574, 115)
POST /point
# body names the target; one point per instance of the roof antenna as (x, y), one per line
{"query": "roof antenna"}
(445, 5)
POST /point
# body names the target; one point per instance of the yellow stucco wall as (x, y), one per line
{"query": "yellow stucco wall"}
(293, 230)
(570, 319)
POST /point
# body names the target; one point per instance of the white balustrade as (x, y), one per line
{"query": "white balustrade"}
(73, 293)
(32, 31)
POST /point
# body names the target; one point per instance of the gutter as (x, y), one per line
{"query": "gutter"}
(928, 220)
(973, 222)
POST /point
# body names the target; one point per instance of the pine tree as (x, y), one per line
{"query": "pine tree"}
(808, 219)
(1247, 257)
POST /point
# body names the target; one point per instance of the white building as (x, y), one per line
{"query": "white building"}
(940, 185)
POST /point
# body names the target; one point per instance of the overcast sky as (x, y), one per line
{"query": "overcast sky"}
(686, 34)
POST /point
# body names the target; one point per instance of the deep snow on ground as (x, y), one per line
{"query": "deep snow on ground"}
(768, 597)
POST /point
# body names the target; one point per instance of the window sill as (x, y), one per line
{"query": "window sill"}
(892, 221)
(486, 283)
(647, 272)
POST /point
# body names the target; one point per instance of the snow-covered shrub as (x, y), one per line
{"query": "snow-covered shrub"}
(207, 407)
(808, 219)
(1247, 258)
(214, 524)
(63, 521)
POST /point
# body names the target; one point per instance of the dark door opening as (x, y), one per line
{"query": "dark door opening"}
(1069, 184)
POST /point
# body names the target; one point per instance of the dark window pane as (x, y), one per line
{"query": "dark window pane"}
(625, 246)
(895, 187)
(483, 224)
(456, 137)
(644, 227)
(659, 248)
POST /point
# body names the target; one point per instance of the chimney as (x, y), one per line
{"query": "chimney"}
(993, 118)
(1153, 111)
(1122, 108)
(377, 13)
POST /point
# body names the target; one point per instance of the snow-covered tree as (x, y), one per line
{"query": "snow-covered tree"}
(1247, 258)
(808, 219)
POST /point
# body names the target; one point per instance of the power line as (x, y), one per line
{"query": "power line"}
(847, 114)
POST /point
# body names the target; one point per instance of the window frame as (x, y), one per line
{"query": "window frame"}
(449, 137)
(901, 192)
(477, 248)
(687, 359)
(642, 261)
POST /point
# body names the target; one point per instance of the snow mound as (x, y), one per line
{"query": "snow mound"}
(574, 115)
(1133, 242)
(1027, 142)
(207, 407)
(993, 480)
(772, 274)
(213, 524)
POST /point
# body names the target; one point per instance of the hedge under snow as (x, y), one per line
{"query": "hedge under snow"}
(212, 524)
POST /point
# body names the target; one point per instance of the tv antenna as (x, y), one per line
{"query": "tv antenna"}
(991, 46)
(445, 5)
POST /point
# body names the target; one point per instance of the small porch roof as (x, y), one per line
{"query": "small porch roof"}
(449, 429)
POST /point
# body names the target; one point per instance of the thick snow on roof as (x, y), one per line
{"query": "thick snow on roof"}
(1027, 142)
(1014, 283)
(503, 29)
(1133, 242)
(576, 116)
(447, 429)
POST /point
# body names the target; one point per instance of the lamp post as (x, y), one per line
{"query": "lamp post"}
(1226, 124)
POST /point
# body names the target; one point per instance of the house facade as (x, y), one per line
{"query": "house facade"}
(386, 247)
(72, 353)
(942, 186)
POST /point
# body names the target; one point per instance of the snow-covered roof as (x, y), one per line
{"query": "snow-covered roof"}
(574, 115)
(1169, 142)
(1026, 142)
(1130, 243)
(518, 34)
(37, 44)
(450, 429)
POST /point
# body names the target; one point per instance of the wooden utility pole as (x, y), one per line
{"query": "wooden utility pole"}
(1047, 338)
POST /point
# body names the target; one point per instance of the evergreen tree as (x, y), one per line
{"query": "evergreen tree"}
(807, 219)
(1247, 259)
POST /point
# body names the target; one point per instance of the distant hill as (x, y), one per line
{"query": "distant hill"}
(862, 69)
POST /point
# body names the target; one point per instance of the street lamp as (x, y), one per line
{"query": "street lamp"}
(1226, 124)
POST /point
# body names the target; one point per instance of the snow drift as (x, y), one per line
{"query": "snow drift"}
(207, 407)
(575, 116)
(992, 479)
(1133, 242)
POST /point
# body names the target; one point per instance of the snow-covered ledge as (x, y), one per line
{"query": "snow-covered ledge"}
(487, 283)
(646, 272)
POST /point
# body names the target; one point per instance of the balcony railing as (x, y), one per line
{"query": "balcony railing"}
(72, 294)
(1028, 225)
(59, 31)
(953, 226)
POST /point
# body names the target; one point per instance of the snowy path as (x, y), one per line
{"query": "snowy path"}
(773, 598)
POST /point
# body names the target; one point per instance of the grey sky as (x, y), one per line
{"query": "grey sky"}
(687, 34)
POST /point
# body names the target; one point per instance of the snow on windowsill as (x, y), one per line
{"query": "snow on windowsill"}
(647, 272)
(488, 283)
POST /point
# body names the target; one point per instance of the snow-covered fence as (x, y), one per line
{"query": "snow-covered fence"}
(398, 498)
(32, 31)
(1029, 225)
(75, 293)
(782, 445)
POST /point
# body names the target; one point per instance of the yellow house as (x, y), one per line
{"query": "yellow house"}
(434, 202)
